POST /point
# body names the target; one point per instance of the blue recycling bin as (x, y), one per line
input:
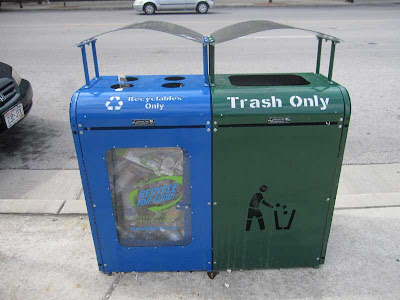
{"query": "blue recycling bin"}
(144, 151)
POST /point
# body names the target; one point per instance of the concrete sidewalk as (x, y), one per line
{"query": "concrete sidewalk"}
(46, 248)
(48, 257)
(127, 4)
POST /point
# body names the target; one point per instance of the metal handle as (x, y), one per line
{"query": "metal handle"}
(331, 60)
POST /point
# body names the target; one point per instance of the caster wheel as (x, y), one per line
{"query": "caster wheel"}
(212, 275)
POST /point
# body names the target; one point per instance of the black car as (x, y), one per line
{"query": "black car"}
(15, 97)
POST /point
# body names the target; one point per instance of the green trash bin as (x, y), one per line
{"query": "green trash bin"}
(278, 142)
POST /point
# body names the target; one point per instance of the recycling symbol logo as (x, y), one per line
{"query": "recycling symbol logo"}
(114, 105)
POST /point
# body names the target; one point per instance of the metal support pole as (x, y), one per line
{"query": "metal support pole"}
(212, 64)
(96, 65)
(85, 65)
(333, 46)
(205, 64)
(319, 55)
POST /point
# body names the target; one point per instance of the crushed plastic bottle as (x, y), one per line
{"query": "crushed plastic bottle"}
(146, 185)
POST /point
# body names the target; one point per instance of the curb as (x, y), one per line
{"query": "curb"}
(78, 207)
(24, 206)
(42, 207)
(59, 192)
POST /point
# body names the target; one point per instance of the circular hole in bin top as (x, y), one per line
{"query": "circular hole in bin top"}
(174, 78)
(121, 86)
(172, 85)
(131, 78)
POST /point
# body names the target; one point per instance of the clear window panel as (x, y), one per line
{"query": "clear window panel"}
(150, 190)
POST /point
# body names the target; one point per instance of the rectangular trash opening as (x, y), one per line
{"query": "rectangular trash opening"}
(267, 80)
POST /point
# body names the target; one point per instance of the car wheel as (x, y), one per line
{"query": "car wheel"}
(149, 8)
(202, 8)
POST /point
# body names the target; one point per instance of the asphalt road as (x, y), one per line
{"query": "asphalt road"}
(40, 45)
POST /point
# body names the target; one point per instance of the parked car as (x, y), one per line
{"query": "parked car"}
(15, 97)
(149, 7)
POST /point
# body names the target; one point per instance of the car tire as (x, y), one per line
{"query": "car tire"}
(202, 8)
(149, 8)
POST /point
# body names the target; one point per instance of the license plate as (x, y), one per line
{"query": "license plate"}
(13, 115)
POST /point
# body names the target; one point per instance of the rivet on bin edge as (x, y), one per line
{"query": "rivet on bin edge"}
(341, 119)
(215, 262)
(80, 132)
(79, 125)
(317, 258)
(186, 207)
(105, 265)
(208, 203)
(215, 203)
(208, 129)
(94, 205)
(328, 199)
(178, 206)
(215, 123)
(209, 262)
(208, 123)
(340, 126)
(215, 129)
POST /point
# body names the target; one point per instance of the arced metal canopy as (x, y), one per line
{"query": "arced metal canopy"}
(245, 28)
(220, 36)
(166, 27)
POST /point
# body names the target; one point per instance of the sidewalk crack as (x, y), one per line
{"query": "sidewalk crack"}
(61, 207)
(113, 286)
(79, 194)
